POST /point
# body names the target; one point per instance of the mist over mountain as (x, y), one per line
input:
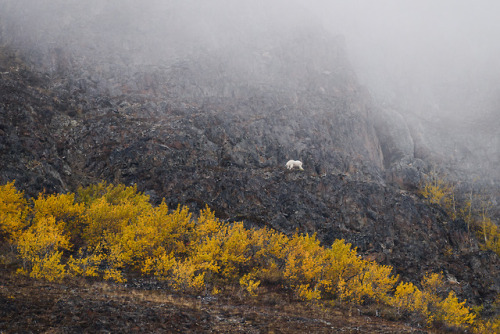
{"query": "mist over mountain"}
(203, 103)
(201, 56)
(434, 63)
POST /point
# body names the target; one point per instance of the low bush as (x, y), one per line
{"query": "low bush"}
(109, 231)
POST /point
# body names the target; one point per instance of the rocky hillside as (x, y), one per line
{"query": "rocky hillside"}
(214, 123)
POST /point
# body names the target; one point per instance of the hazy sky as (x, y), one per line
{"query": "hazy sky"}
(416, 28)
(412, 48)
(413, 44)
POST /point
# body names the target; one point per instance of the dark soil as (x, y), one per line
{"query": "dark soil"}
(79, 306)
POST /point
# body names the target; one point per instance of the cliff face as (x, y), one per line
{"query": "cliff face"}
(215, 127)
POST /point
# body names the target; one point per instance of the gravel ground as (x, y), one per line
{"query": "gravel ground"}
(33, 306)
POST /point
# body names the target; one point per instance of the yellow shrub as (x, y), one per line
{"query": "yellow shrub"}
(437, 191)
(217, 251)
(207, 255)
(268, 249)
(343, 265)
(429, 303)
(373, 282)
(453, 312)
(488, 326)
(181, 275)
(235, 253)
(13, 211)
(404, 297)
(206, 225)
(39, 248)
(114, 274)
(305, 263)
(268, 245)
(155, 232)
(305, 260)
(225, 252)
(490, 234)
(109, 208)
(63, 208)
(91, 193)
(49, 267)
(433, 285)
(42, 238)
(104, 221)
(409, 299)
(249, 283)
(114, 195)
(354, 279)
(304, 292)
(312, 270)
(86, 264)
(160, 265)
(187, 275)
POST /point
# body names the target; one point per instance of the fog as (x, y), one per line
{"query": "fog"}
(435, 57)
(436, 63)
(434, 60)
(406, 52)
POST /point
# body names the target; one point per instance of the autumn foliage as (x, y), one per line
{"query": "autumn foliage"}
(13, 211)
(473, 209)
(111, 231)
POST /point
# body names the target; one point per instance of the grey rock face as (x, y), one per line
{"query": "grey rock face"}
(395, 137)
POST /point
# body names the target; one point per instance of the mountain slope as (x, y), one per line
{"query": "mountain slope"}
(214, 123)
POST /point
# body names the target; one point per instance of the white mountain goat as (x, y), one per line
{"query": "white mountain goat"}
(294, 163)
